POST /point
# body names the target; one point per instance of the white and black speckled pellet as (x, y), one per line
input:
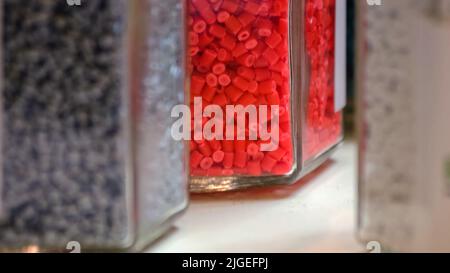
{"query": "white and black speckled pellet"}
(65, 132)
(395, 113)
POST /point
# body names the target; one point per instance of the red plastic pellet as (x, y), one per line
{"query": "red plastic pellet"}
(240, 146)
(274, 40)
(197, 84)
(253, 87)
(215, 145)
(265, 28)
(277, 154)
(224, 80)
(193, 146)
(211, 80)
(252, 7)
(253, 149)
(246, 73)
(209, 93)
(268, 163)
(206, 163)
(205, 11)
(193, 51)
(250, 44)
(193, 38)
(208, 57)
(205, 149)
(262, 75)
(230, 5)
(223, 55)
(258, 157)
(205, 39)
(233, 25)
(228, 160)
(246, 19)
(233, 93)
(218, 68)
(267, 87)
(262, 63)
(274, 99)
(247, 99)
(254, 168)
(239, 50)
(247, 60)
(228, 146)
(228, 42)
(199, 26)
(217, 31)
(241, 83)
(223, 16)
(240, 159)
(221, 100)
(281, 168)
(218, 156)
(196, 157)
(271, 56)
(243, 35)
(216, 4)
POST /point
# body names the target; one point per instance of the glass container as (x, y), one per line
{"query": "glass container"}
(404, 132)
(88, 161)
(267, 79)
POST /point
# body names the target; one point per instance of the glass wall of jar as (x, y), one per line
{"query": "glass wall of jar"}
(325, 63)
(275, 60)
(403, 124)
(88, 159)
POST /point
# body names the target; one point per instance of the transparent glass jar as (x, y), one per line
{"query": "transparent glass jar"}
(276, 55)
(404, 152)
(88, 160)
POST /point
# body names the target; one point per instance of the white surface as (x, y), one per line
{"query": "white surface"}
(315, 215)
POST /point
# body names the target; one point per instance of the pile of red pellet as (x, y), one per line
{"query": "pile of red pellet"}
(323, 126)
(239, 55)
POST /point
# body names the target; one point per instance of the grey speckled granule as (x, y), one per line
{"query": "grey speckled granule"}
(63, 159)
(389, 146)
(160, 157)
(72, 169)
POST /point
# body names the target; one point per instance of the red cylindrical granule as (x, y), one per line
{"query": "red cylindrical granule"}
(219, 68)
(223, 16)
(224, 80)
(204, 10)
(241, 58)
(211, 80)
(218, 156)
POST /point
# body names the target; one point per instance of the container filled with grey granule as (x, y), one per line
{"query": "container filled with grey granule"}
(87, 153)
(404, 130)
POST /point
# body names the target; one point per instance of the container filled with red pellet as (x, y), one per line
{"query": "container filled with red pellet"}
(267, 87)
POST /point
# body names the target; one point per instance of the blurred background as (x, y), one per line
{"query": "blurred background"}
(89, 162)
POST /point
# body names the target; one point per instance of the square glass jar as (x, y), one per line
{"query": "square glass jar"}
(403, 97)
(87, 156)
(282, 56)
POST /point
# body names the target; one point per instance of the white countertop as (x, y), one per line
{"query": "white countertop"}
(318, 214)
